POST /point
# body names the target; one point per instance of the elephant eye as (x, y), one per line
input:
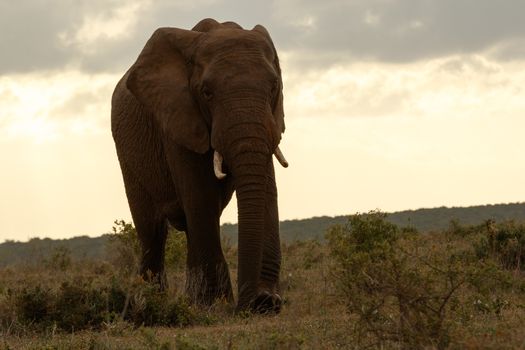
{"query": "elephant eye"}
(206, 93)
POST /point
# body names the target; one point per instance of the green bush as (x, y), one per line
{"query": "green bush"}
(124, 248)
(81, 305)
(33, 305)
(125, 251)
(72, 307)
(457, 229)
(505, 242)
(176, 249)
(60, 259)
(400, 294)
(413, 291)
(151, 307)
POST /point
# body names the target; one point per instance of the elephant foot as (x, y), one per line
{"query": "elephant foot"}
(267, 303)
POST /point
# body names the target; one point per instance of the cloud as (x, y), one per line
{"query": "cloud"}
(103, 35)
(113, 26)
(459, 86)
(46, 106)
(49, 35)
(400, 30)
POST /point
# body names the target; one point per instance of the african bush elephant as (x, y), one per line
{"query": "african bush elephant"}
(197, 117)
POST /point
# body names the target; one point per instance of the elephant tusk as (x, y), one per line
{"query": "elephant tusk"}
(280, 157)
(217, 166)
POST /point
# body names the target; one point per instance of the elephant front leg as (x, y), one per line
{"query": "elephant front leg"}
(207, 277)
(202, 198)
(153, 242)
(151, 230)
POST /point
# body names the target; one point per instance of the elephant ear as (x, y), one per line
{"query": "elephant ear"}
(159, 79)
(278, 110)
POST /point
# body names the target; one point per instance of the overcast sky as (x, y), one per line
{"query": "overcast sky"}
(390, 104)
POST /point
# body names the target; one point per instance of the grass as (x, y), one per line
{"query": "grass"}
(307, 320)
(474, 272)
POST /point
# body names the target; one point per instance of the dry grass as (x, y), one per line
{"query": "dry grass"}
(313, 315)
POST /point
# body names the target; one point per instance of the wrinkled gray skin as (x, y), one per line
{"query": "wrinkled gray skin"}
(190, 93)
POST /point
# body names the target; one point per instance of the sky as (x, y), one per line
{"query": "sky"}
(390, 104)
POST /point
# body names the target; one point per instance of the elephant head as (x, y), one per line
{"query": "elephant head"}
(219, 87)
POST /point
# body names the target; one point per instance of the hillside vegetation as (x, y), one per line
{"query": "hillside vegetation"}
(370, 284)
(423, 220)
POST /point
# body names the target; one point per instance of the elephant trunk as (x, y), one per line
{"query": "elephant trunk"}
(249, 171)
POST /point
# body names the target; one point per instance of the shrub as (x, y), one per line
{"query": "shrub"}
(33, 305)
(457, 229)
(399, 294)
(176, 249)
(151, 307)
(124, 247)
(60, 259)
(414, 291)
(72, 307)
(312, 254)
(505, 242)
(77, 306)
(125, 250)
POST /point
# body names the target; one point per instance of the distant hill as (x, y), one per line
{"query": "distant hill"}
(36, 250)
(424, 220)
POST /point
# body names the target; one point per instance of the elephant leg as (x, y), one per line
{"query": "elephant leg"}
(208, 276)
(151, 230)
(201, 197)
(152, 235)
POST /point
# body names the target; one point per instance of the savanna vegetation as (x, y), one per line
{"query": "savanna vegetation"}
(370, 284)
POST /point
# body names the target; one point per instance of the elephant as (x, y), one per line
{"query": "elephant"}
(197, 117)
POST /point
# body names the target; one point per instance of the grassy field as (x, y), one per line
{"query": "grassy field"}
(372, 284)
